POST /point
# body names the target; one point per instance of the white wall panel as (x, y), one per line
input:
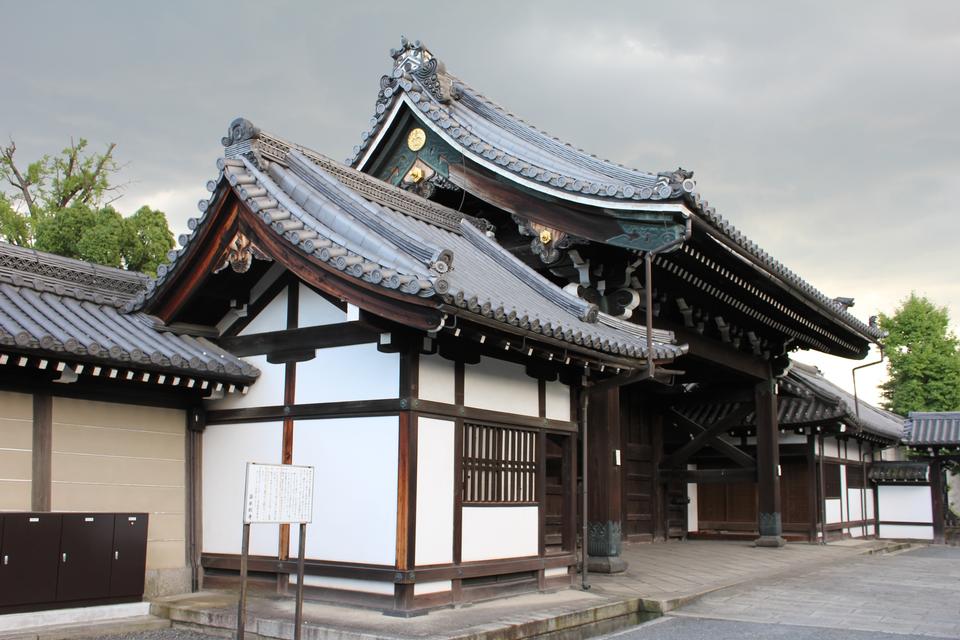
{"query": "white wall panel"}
(917, 532)
(267, 391)
(356, 372)
(315, 310)
(439, 586)
(903, 503)
(792, 438)
(843, 492)
(499, 532)
(355, 495)
(272, 317)
(558, 400)
(870, 509)
(227, 448)
(832, 510)
(347, 584)
(693, 523)
(500, 386)
(436, 379)
(556, 571)
(854, 497)
(435, 482)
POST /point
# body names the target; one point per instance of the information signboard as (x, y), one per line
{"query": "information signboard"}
(280, 493)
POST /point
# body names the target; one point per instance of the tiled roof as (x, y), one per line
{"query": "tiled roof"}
(58, 307)
(932, 428)
(806, 398)
(382, 235)
(898, 471)
(492, 136)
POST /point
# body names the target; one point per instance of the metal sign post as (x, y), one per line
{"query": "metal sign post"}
(275, 494)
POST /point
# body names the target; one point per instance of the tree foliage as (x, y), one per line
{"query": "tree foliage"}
(924, 361)
(62, 204)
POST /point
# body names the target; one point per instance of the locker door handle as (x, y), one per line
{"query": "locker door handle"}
(6, 560)
(64, 557)
(116, 555)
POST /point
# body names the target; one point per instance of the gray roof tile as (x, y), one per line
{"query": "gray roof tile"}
(925, 428)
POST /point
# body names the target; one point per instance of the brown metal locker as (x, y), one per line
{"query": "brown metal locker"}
(129, 555)
(28, 558)
(86, 548)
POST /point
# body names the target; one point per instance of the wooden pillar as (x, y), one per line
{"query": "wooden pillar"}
(407, 483)
(658, 502)
(813, 485)
(604, 498)
(770, 524)
(936, 496)
(42, 474)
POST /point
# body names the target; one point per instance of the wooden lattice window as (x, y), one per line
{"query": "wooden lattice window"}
(499, 465)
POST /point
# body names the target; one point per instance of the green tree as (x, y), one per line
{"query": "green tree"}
(924, 362)
(62, 204)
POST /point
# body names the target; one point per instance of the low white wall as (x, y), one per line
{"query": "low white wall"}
(436, 379)
(500, 386)
(917, 532)
(833, 510)
(435, 491)
(557, 571)
(227, 449)
(854, 499)
(356, 372)
(422, 588)
(905, 503)
(355, 491)
(693, 522)
(490, 533)
(347, 584)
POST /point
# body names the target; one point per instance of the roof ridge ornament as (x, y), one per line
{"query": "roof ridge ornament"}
(240, 130)
(414, 58)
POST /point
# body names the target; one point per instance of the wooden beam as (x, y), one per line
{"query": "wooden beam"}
(41, 479)
(725, 448)
(340, 334)
(710, 476)
(708, 436)
(719, 353)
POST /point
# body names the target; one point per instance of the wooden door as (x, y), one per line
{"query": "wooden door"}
(28, 558)
(559, 533)
(637, 469)
(795, 494)
(129, 555)
(85, 551)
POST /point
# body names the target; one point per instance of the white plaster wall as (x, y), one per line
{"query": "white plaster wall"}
(314, 310)
(500, 386)
(423, 588)
(869, 529)
(267, 391)
(436, 379)
(558, 401)
(792, 438)
(499, 532)
(16, 450)
(870, 509)
(904, 503)
(557, 571)
(832, 510)
(435, 491)
(843, 492)
(854, 497)
(693, 523)
(831, 448)
(347, 584)
(272, 317)
(227, 448)
(355, 492)
(917, 532)
(356, 372)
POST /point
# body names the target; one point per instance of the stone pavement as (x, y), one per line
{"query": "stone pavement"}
(661, 577)
(913, 592)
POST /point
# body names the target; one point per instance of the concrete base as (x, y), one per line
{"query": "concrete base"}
(606, 564)
(769, 541)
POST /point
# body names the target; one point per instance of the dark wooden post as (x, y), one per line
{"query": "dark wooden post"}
(813, 487)
(604, 499)
(936, 497)
(770, 524)
(41, 483)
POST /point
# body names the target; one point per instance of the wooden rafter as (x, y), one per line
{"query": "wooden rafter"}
(704, 436)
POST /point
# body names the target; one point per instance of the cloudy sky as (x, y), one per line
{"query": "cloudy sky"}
(828, 132)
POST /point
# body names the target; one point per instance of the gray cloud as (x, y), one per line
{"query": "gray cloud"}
(826, 131)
